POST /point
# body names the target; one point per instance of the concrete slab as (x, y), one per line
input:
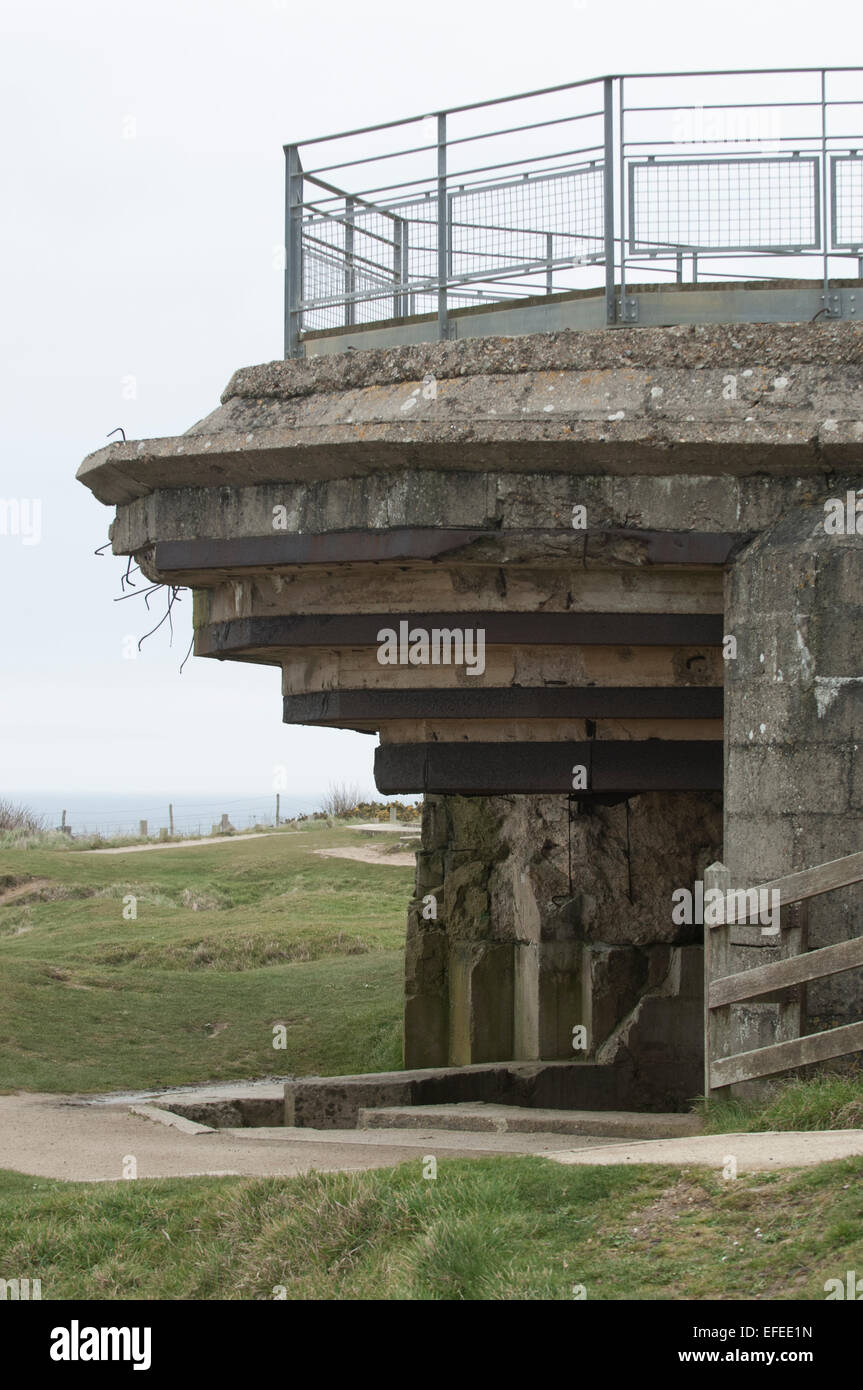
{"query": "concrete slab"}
(478, 1116)
(165, 1117)
(427, 1140)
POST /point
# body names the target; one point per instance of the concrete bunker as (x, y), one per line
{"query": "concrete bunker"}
(608, 516)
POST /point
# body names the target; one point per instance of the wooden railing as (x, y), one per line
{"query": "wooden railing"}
(782, 981)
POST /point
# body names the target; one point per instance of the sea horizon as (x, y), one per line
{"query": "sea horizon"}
(108, 813)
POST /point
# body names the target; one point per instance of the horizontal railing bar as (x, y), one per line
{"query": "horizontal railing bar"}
(727, 106)
(784, 1056)
(453, 111)
(430, 286)
(788, 142)
(516, 231)
(781, 974)
(453, 178)
(744, 105)
(338, 257)
(429, 180)
(345, 222)
(807, 883)
(343, 193)
(565, 87)
(459, 140)
(729, 72)
(531, 177)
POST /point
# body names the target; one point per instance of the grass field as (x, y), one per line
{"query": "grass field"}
(502, 1228)
(229, 939)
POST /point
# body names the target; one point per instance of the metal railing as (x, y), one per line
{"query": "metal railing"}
(735, 175)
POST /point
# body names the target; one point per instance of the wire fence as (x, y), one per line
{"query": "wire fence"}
(722, 175)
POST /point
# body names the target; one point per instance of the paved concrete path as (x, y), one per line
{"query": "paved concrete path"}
(88, 1140)
(752, 1152)
(73, 1138)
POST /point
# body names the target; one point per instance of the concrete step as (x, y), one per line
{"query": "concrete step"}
(480, 1116)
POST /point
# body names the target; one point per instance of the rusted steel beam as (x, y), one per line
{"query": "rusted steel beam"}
(489, 769)
(424, 543)
(507, 702)
(504, 629)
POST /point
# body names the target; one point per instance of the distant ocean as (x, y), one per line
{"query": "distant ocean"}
(105, 814)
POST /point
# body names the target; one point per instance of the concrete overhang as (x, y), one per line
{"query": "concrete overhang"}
(436, 483)
(731, 399)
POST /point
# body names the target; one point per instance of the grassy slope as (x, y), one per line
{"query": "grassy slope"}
(503, 1228)
(91, 1002)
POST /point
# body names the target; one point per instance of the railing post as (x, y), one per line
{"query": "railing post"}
(794, 941)
(549, 259)
(442, 228)
(397, 267)
(715, 966)
(293, 249)
(350, 264)
(825, 219)
(400, 267)
(608, 199)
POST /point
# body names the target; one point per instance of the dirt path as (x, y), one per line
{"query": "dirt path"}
(187, 844)
(21, 890)
(371, 854)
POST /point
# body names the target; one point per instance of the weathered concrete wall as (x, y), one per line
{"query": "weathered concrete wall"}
(533, 916)
(793, 724)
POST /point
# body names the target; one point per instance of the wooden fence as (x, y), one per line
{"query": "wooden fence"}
(781, 981)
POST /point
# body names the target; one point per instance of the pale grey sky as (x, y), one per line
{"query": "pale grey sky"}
(143, 199)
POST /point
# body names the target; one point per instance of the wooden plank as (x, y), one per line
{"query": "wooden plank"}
(793, 888)
(836, 873)
(764, 979)
(785, 1056)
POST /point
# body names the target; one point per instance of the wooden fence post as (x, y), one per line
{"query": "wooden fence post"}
(715, 966)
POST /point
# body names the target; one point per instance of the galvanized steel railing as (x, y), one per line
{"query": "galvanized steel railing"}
(734, 176)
